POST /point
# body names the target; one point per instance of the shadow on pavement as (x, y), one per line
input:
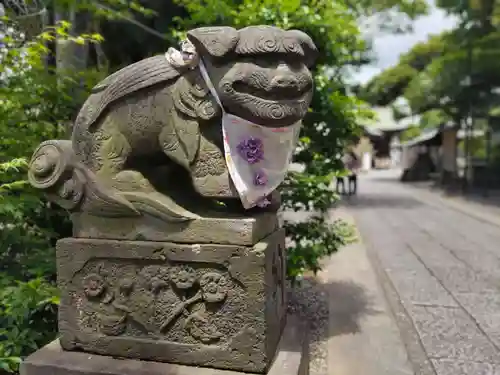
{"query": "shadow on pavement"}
(485, 198)
(332, 308)
(363, 200)
(351, 305)
(385, 178)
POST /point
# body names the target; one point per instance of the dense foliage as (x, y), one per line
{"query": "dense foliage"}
(38, 101)
(34, 107)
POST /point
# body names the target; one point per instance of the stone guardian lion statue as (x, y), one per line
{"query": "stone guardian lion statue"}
(148, 138)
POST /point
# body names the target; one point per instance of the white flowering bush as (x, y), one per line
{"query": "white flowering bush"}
(10, 40)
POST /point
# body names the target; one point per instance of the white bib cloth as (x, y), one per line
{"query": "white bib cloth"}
(257, 157)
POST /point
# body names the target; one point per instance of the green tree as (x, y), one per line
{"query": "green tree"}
(450, 74)
(389, 85)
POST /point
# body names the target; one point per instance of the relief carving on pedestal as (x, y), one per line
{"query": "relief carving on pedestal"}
(170, 302)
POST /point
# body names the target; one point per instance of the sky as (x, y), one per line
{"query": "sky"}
(388, 48)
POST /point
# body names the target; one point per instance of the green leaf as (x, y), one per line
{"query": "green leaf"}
(4, 365)
(290, 5)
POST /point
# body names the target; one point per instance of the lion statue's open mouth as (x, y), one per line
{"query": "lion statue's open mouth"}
(267, 102)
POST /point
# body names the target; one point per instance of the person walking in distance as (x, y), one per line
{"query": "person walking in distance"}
(353, 168)
(340, 183)
(351, 163)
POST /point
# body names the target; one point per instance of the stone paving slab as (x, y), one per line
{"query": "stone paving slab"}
(441, 223)
(413, 282)
(481, 261)
(453, 272)
(485, 309)
(451, 367)
(450, 333)
(443, 264)
(417, 289)
(481, 211)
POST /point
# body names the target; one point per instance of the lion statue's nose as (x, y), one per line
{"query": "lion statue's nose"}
(284, 80)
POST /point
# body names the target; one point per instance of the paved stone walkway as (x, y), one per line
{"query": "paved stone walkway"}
(440, 268)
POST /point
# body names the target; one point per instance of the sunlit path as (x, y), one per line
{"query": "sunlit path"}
(442, 265)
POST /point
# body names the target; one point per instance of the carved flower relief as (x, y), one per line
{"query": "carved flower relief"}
(113, 325)
(214, 287)
(93, 285)
(157, 284)
(155, 278)
(126, 286)
(183, 277)
(201, 329)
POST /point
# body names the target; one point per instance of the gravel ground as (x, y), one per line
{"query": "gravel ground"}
(309, 301)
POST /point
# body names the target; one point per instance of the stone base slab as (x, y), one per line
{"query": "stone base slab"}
(292, 358)
(237, 230)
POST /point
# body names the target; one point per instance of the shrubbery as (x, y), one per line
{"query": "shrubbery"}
(34, 106)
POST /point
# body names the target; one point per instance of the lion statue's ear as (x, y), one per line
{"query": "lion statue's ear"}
(307, 44)
(214, 41)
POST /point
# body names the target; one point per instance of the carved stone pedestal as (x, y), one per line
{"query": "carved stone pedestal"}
(198, 304)
(211, 305)
(158, 308)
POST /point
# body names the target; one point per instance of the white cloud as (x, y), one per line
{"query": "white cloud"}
(388, 48)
